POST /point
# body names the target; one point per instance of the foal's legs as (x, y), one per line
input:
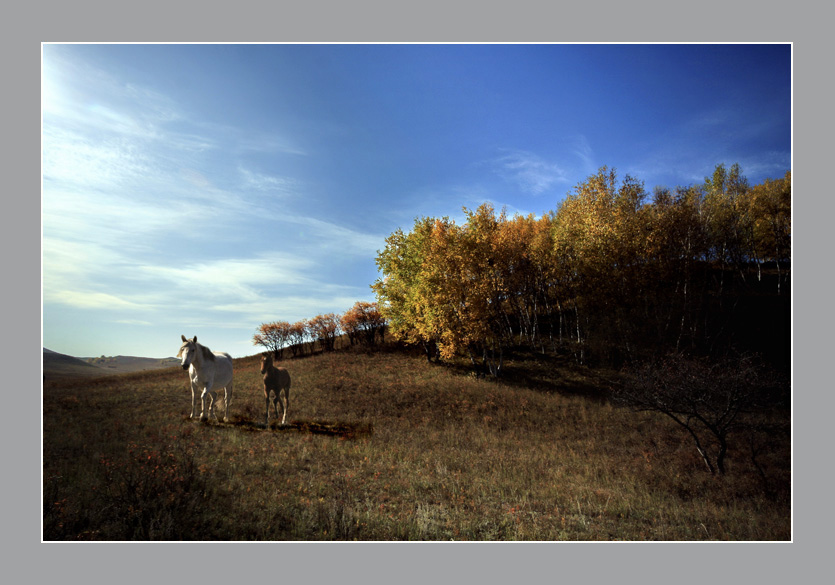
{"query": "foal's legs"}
(267, 409)
(285, 404)
(268, 398)
(276, 401)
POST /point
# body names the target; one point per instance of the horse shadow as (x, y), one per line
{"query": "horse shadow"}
(342, 430)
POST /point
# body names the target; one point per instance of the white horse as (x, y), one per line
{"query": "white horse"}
(208, 371)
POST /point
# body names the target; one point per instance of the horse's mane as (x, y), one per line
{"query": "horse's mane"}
(207, 353)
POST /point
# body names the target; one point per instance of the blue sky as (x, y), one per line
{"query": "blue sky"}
(206, 189)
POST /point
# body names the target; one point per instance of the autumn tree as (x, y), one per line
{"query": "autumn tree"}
(600, 241)
(404, 292)
(363, 323)
(676, 248)
(443, 286)
(325, 329)
(542, 280)
(727, 217)
(273, 336)
(297, 335)
(489, 264)
(611, 274)
(771, 233)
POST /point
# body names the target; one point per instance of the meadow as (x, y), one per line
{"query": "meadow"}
(382, 446)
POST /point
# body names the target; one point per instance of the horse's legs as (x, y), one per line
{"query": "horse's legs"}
(227, 398)
(276, 401)
(212, 400)
(193, 398)
(204, 415)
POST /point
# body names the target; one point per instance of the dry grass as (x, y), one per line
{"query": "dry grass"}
(383, 446)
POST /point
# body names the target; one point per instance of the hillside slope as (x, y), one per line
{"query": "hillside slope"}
(57, 365)
(381, 445)
(125, 363)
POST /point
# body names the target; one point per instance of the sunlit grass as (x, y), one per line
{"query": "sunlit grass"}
(383, 446)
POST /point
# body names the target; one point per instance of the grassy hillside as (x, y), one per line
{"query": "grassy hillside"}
(59, 366)
(385, 446)
(124, 363)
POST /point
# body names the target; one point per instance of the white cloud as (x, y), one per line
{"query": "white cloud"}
(290, 308)
(159, 220)
(237, 277)
(75, 160)
(531, 172)
(133, 322)
(86, 299)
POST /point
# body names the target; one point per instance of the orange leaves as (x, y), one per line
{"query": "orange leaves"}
(325, 329)
(273, 336)
(363, 319)
(363, 323)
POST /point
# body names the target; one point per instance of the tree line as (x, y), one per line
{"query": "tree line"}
(362, 324)
(613, 275)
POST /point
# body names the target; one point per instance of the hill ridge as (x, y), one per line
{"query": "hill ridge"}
(58, 365)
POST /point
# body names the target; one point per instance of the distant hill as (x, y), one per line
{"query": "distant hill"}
(57, 365)
(125, 363)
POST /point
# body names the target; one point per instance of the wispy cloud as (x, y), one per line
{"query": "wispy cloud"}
(583, 151)
(530, 172)
(133, 322)
(87, 299)
(264, 182)
(75, 160)
(83, 96)
(338, 240)
(238, 278)
(688, 152)
(291, 307)
(268, 144)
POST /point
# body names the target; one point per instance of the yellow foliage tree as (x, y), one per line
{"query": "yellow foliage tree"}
(608, 271)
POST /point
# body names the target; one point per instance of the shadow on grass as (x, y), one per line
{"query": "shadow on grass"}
(547, 373)
(334, 429)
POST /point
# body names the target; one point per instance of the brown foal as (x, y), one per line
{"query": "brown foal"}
(276, 379)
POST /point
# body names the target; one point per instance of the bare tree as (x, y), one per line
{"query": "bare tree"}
(710, 400)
